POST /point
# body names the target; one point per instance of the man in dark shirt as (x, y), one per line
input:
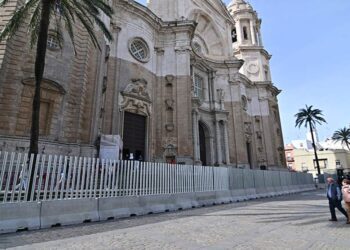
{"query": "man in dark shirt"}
(334, 198)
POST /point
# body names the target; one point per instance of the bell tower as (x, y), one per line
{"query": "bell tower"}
(247, 43)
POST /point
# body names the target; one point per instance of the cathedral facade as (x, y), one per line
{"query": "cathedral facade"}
(185, 81)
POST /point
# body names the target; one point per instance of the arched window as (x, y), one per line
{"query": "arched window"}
(198, 86)
(244, 102)
(245, 33)
(197, 48)
(234, 35)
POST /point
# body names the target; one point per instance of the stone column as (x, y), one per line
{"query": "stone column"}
(196, 153)
(163, 90)
(218, 142)
(227, 151)
(212, 150)
(252, 31)
(114, 52)
(239, 32)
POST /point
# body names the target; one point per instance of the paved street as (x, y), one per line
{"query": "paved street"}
(291, 222)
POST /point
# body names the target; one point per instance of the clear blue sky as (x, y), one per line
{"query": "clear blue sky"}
(310, 44)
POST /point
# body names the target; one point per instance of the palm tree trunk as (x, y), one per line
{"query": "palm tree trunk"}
(39, 72)
(315, 149)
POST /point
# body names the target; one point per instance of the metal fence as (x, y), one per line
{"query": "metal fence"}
(62, 177)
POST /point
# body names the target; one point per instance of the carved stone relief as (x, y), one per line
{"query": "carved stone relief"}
(136, 97)
(137, 88)
(170, 127)
(170, 146)
(248, 128)
(169, 104)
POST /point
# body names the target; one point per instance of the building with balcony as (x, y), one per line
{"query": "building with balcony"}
(332, 156)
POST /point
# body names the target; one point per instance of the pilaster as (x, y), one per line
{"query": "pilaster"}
(196, 152)
(218, 142)
(252, 31)
(227, 151)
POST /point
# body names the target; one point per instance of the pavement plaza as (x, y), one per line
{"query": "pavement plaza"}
(290, 222)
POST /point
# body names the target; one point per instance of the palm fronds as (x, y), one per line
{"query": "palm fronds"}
(342, 135)
(308, 115)
(87, 12)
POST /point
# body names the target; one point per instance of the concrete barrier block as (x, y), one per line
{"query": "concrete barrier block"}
(158, 203)
(205, 198)
(238, 195)
(19, 216)
(68, 212)
(285, 190)
(186, 200)
(250, 193)
(119, 207)
(223, 197)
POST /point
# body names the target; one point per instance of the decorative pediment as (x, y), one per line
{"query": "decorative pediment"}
(135, 106)
(137, 89)
(136, 98)
(46, 84)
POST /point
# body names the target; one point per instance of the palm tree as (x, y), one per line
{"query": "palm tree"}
(310, 117)
(37, 15)
(342, 135)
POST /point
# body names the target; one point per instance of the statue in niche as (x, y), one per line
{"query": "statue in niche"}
(221, 97)
(259, 135)
(169, 80)
(221, 94)
(248, 127)
(169, 104)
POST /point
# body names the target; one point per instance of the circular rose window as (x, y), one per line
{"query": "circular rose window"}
(139, 49)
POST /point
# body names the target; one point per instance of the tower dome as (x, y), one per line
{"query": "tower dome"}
(236, 5)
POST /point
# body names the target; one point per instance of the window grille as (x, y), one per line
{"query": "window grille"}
(198, 86)
(197, 48)
(139, 50)
(52, 42)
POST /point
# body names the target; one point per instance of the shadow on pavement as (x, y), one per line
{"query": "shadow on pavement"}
(44, 235)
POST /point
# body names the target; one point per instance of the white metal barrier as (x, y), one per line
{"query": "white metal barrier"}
(55, 177)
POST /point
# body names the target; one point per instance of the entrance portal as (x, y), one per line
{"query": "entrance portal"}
(202, 144)
(134, 136)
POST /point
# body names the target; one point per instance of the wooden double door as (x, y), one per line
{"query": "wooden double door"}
(134, 137)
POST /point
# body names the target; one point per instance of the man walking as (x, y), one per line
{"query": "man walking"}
(334, 198)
